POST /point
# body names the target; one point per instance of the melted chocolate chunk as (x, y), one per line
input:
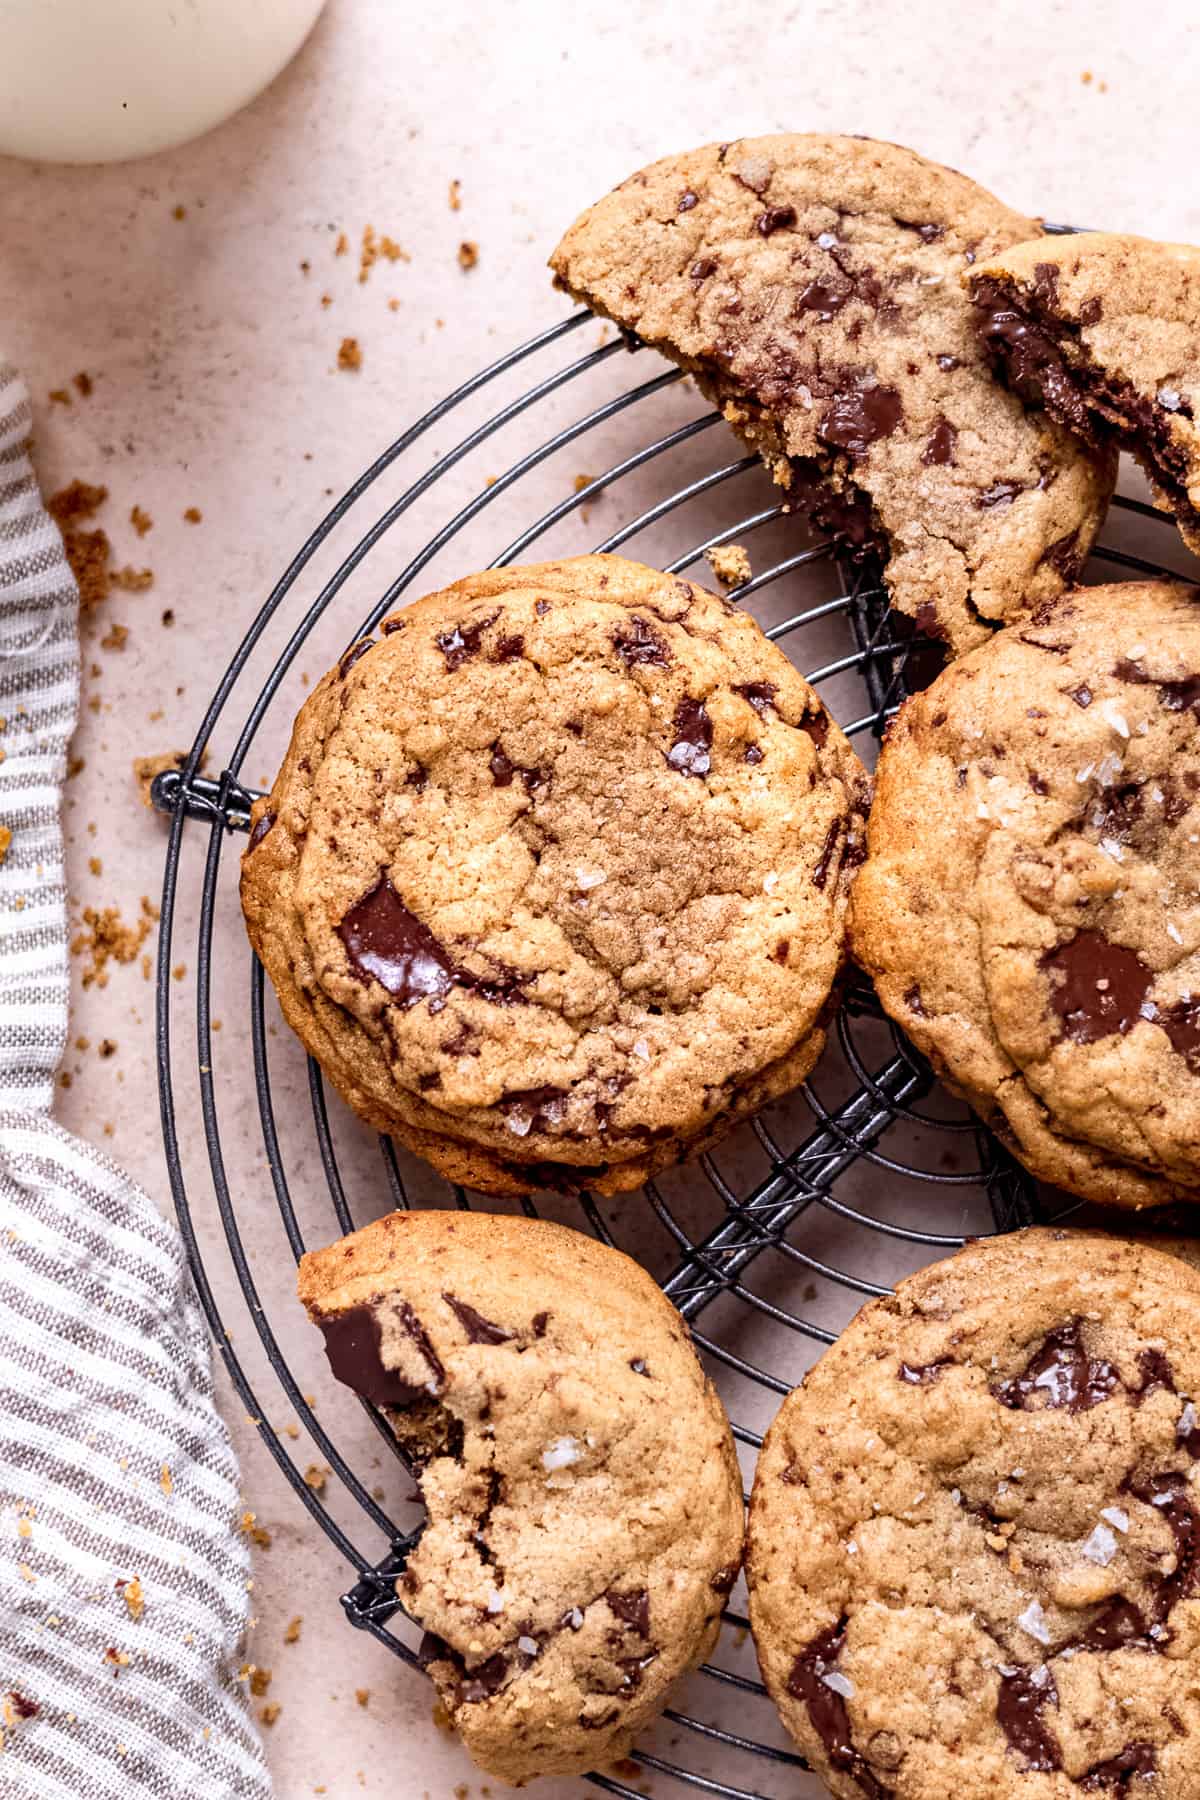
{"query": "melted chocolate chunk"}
(486, 1680)
(509, 648)
(702, 269)
(1119, 1771)
(387, 942)
(1065, 555)
(352, 655)
(947, 362)
(689, 754)
(502, 768)
(1062, 1372)
(859, 417)
(846, 514)
(687, 200)
(1156, 1374)
(912, 999)
(638, 642)
(1001, 493)
(760, 694)
(1037, 783)
(724, 1580)
(824, 298)
(435, 1649)
(940, 447)
(1097, 988)
(354, 1347)
(462, 641)
(1082, 695)
(633, 1608)
(417, 778)
(1045, 283)
(1176, 696)
(753, 754)
(828, 849)
(538, 1323)
(775, 218)
(1023, 1695)
(390, 625)
(827, 1710)
(816, 726)
(924, 1374)
(263, 825)
(1091, 311)
(1168, 1494)
(1121, 1626)
(478, 1329)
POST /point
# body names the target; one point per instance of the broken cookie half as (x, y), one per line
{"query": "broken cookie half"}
(812, 286)
(1104, 331)
(583, 1496)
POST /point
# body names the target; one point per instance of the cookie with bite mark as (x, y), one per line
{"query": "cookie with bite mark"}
(583, 1496)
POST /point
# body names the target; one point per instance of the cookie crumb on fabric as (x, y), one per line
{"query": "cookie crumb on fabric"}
(192, 515)
(165, 1481)
(134, 1597)
(349, 354)
(468, 254)
(5, 841)
(730, 563)
(455, 195)
(140, 520)
(117, 1658)
(23, 1707)
(292, 1633)
(342, 245)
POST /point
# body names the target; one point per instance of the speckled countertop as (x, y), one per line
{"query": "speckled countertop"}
(203, 295)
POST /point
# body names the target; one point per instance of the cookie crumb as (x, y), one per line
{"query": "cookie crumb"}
(363, 1696)
(342, 245)
(730, 563)
(140, 520)
(292, 1633)
(107, 1048)
(468, 254)
(582, 482)
(349, 354)
(192, 515)
(260, 1680)
(83, 383)
(115, 637)
(179, 211)
(315, 1477)
(455, 195)
(165, 1481)
(269, 1713)
(60, 397)
(134, 1597)
(258, 1534)
(106, 938)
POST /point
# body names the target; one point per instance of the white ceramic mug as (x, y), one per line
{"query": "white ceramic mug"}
(87, 81)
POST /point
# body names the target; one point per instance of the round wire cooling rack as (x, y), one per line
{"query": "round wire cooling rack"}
(769, 1243)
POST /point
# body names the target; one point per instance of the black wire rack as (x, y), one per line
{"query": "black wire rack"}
(767, 1244)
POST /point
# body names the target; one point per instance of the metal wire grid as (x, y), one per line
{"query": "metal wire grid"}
(800, 1178)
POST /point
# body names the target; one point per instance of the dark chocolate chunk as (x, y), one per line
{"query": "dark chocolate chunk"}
(1176, 696)
(486, 1680)
(689, 754)
(816, 726)
(760, 694)
(462, 641)
(1120, 1626)
(828, 849)
(1156, 1374)
(947, 362)
(924, 1374)
(1001, 493)
(639, 1367)
(845, 513)
(478, 1329)
(1091, 311)
(352, 655)
(1119, 1771)
(354, 1347)
(1168, 1494)
(940, 446)
(687, 200)
(702, 268)
(387, 942)
(638, 642)
(1045, 283)
(1036, 782)
(912, 999)
(1082, 695)
(827, 1710)
(1062, 1373)
(390, 625)
(859, 417)
(1097, 988)
(635, 1667)
(753, 754)
(539, 1323)
(509, 648)
(1023, 1695)
(502, 768)
(633, 1608)
(417, 778)
(724, 1580)
(1065, 555)
(775, 218)
(434, 1649)
(261, 828)
(824, 298)
(24, 1709)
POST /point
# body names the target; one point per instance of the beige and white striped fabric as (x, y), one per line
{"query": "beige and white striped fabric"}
(114, 1463)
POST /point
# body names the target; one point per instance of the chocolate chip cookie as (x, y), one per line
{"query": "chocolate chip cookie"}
(583, 1497)
(553, 879)
(974, 1545)
(812, 286)
(1104, 331)
(1029, 909)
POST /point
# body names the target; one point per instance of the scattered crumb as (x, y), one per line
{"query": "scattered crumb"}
(349, 354)
(132, 581)
(5, 841)
(393, 306)
(23, 1708)
(292, 1634)
(168, 619)
(260, 1680)
(95, 865)
(1086, 78)
(258, 1534)
(178, 972)
(140, 520)
(105, 937)
(315, 1477)
(468, 254)
(269, 1713)
(24, 1527)
(326, 299)
(179, 212)
(730, 563)
(135, 1599)
(78, 500)
(362, 1695)
(145, 768)
(192, 515)
(107, 1047)
(455, 195)
(83, 383)
(583, 481)
(342, 245)
(60, 397)
(115, 637)
(305, 266)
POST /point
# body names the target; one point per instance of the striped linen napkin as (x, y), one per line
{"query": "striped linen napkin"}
(123, 1596)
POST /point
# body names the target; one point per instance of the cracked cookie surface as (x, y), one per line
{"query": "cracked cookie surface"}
(974, 1539)
(1030, 906)
(583, 1496)
(812, 286)
(1104, 330)
(553, 879)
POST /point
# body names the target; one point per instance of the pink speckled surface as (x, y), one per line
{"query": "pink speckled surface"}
(215, 387)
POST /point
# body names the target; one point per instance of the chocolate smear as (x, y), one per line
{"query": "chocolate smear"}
(478, 1329)
(1023, 1695)
(827, 1710)
(1062, 1373)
